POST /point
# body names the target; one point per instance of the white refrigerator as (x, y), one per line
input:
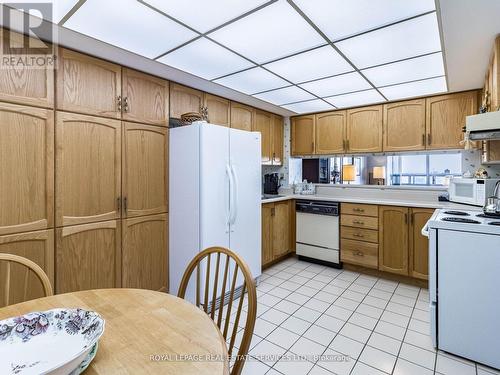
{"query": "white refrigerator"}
(214, 196)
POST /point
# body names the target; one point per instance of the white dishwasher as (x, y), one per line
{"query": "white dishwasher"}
(318, 231)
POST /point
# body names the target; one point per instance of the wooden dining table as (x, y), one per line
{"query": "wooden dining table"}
(146, 332)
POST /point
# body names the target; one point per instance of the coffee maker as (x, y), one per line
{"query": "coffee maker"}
(271, 183)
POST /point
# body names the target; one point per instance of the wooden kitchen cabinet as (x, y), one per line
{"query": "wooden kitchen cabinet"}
(445, 117)
(491, 90)
(404, 126)
(26, 168)
(419, 245)
(330, 132)
(37, 247)
(144, 98)
(393, 239)
(242, 116)
(263, 124)
(276, 230)
(302, 134)
(184, 99)
(145, 253)
(88, 169)
(267, 238)
(144, 170)
(88, 256)
(364, 129)
(219, 110)
(277, 140)
(88, 85)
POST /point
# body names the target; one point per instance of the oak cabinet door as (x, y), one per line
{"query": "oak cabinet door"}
(393, 239)
(27, 168)
(37, 247)
(145, 253)
(281, 229)
(242, 116)
(404, 125)
(145, 169)
(88, 169)
(24, 84)
(303, 135)
(88, 256)
(446, 117)
(145, 98)
(330, 132)
(219, 110)
(88, 85)
(184, 99)
(267, 250)
(364, 129)
(277, 140)
(263, 124)
(419, 245)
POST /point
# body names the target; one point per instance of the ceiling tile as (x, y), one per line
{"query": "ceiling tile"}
(407, 70)
(252, 81)
(403, 40)
(285, 95)
(337, 85)
(309, 106)
(59, 8)
(203, 15)
(270, 33)
(205, 59)
(356, 98)
(130, 25)
(340, 18)
(320, 62)
(413, 89)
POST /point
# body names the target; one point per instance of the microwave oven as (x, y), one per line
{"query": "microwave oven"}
(472, 191)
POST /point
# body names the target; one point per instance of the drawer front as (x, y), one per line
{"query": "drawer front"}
(358, 252)
(360, 234)
(359, 221)
(359, 209)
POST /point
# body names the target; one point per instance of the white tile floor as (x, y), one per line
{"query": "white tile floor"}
(376, 326)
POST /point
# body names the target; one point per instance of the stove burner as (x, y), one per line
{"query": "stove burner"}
(457, 213)
(489, 216)
(494, 223)
(460, 220)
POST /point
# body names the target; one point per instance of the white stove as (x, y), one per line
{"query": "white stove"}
(464, 258)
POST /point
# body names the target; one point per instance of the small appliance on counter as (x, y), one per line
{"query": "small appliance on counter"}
(472, 191)
(271, 183)
(492, 204)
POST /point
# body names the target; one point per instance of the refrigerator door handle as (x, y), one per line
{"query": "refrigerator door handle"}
(234, 194)
(229, 209)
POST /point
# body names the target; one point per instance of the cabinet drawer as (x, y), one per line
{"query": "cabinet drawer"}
(358, 252)
(359, 221)
(368, 235)
(359, 209)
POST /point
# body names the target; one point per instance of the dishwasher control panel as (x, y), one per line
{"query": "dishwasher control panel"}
(318, 207)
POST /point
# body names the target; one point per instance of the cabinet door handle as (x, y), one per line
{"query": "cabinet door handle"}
(358, 235)
(347, 145)
(406, 218)
(125, 204)
(358, 222)
(423, 139)
(119, 103)
(359, 209)
(125, 104)
(359, 253)
(118, 204)
(343, 144)
(412, 219)
(429, 139)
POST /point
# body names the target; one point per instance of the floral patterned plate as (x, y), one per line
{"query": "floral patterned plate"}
(48, 342)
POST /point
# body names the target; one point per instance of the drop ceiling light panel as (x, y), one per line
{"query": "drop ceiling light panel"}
(356, 99)
(407, 70)
(406, 39)
(412, 89)
(205, 59)
(252, 81)
(130, 25)
(203, 15)
(318, 63)
(309, 106)
(270, 33)
(59, 8)
(337, 85)
(285, 95)
(340, 18)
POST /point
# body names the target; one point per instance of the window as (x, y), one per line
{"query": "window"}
(336, 169)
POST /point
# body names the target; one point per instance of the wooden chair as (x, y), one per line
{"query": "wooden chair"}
(30, 267)
(210, 306)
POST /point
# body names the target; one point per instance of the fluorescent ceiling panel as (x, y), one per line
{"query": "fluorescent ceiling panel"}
(341, 18)
(203, 15)
(252, 81)
(403, 40)
(412, 89)
(59, 8)
(337, 85)
(355, 99)
(270, 33)
(407, 70)
(130, 25)
(285, 95)
(309, 106)
(205, 59)
(306, 66)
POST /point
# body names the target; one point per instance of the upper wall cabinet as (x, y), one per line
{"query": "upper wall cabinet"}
(491, 90)
(27, 168)
(330, 132)
(277, 133)
(145, 98)
(364, 129)
(404, 125)
(242, 116)
(446, 117)
(303, 135)
(184, 99)
(88, 85)
(263, 124)
(24, 84)
(219, 110)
